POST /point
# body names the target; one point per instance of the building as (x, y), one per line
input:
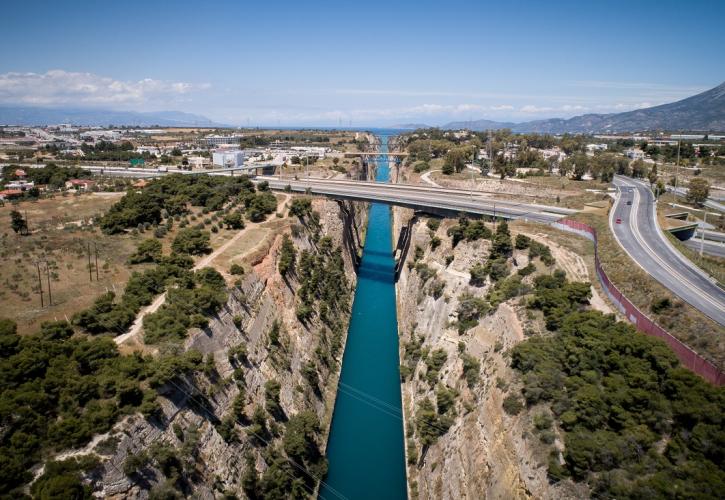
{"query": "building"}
(20, 173)
(219, 140)
(79, 184)
(687, 136)
(199, 162)
(596, 147)
(635, 154)
(10, 193)
(228, 158)
(20, 184)
(317, 151)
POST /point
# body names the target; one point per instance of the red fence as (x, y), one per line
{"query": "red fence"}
(689, 358)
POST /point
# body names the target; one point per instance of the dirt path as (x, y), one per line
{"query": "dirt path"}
(426, 178)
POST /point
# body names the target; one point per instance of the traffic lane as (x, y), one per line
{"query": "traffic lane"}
(432, 201)
(693, 289)
(665, 250)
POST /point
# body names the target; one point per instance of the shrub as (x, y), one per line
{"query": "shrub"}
(512, 404)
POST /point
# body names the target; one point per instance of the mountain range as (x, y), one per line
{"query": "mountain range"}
(28, 116)
(703, 112)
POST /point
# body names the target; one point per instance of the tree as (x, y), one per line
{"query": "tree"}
(191, 241)
(148, 250)
(233, 220)
(639, 169)
(455, 160)
(652, 176)
(698, 191)
(286, 256)
(301, 207)
(18, 223)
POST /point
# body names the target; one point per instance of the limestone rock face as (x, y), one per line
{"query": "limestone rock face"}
(484, 452)
(194, 406)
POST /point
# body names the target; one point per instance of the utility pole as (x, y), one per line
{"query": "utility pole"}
(702, 234)
(47, 272)
(95, 246)
(40, 284)
(90, 267)
(677, 167)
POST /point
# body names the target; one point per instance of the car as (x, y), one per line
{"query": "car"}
(629, 203)
(619, 220)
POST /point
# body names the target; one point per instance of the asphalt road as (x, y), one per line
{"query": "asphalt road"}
(709, 247)
(640, 236)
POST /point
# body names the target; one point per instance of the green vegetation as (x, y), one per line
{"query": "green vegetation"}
(698, 191)
(471, 369)
(171, 194)
(324, 289)
(18, 223)
(635, 424)
(470, 309)
(191, 241)
(301, 207)
(536, 249)
(468, 230)
(187, 305)
(109, 315)
(234, 220)
(60, 389)
(287, 256)
(148, 250)
(429, 424)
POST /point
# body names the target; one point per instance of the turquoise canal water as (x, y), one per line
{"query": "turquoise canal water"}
(365, 450)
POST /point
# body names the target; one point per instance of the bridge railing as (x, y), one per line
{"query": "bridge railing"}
(689, 358)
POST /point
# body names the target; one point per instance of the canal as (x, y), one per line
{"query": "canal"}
(365, 448)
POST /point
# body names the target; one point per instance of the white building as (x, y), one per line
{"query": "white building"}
(318, 151)
(635, 154)
(228, 158)
(218, 140)
(199, 162)
(596, 147)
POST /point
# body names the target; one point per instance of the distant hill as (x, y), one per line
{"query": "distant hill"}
(478, 125)
(410, 126)
(702, 112)
(11, 115)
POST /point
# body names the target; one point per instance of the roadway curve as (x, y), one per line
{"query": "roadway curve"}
(640, 236)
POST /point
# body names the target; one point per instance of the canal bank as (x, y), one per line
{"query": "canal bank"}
(366, 446)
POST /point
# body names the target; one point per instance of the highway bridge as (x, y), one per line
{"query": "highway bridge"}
(439, 201)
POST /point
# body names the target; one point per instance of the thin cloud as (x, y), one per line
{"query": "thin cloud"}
(59, 87)
(658, 87)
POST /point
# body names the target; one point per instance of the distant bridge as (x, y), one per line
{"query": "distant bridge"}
(372, 153)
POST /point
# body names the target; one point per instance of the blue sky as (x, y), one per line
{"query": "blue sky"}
(361, 63)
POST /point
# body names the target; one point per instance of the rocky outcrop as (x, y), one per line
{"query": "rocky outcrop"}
(206, 414)
(479, 450)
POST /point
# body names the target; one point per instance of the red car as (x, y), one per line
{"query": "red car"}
(618, 221)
